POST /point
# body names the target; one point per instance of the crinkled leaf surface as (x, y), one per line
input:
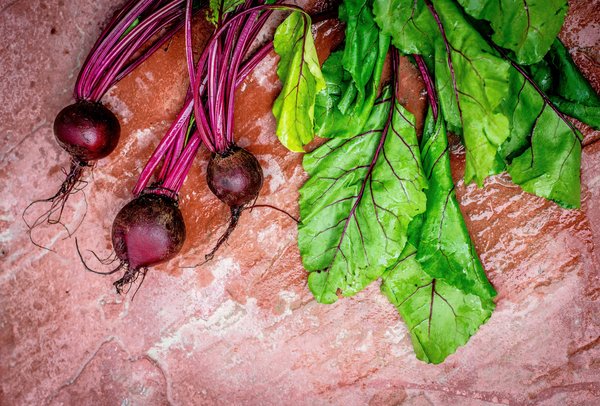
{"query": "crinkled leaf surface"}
(522, 109)
(356, 206)
(300, 74)
(498, 111)
(352, 75)
(445, 249)
(472, 82)
(471, 78)
(527, 27)
(440, 290)
(439, 315)
(363, 51)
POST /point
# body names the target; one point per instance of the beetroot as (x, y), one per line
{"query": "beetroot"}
(147, 231)
(88, 131)
(150, 229)
(235, 177)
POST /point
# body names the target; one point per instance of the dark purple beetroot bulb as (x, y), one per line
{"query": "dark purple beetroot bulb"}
(148, 230)
(88, 131)
(235, 177)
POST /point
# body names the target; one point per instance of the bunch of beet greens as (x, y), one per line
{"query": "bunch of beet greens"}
(379, 202)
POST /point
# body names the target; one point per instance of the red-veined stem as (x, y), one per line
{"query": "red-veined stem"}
(429, 85)
(210, 122)
(111, 56)
(221, 73)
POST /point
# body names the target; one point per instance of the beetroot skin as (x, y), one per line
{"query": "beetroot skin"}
(147, 231)
(88, 131)
(235, 177)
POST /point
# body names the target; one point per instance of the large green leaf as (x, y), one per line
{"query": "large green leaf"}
(440, 316)
(362, 48)
(472, 82)
(544, 149)
(527, 27)
(569, 82)
(489, 99)
(300, 74)
(471, 78)
(352, 75)
(440, 290)
(355, 209)
(445, 249)
(522, 108)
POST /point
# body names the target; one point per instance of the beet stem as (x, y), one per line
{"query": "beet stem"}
(429, 85)
(170, 138)
(210, 116)
(112, 56)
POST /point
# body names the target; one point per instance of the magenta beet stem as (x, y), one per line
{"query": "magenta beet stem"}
(111, 56)
(429, 85)
(170, 137)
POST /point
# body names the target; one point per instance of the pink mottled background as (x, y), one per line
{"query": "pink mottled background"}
(244, 329)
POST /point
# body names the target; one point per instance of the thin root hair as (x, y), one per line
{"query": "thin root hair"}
(124, 284)
(268, 206)
(71, 185)
(233, 221)
(87, 268)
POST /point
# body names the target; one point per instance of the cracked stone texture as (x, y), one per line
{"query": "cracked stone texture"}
(244, 329)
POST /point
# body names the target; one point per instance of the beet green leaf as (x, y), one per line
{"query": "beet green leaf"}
(503, 117)
(585, 113)
(445, 249)
(472, 83)
(569, 82)
(544, 149)
(440, 288)
(439, 315)
(300, 73)
(352, 75)
(526, 27)
(471, 78)
(365, 48)
(355, 209)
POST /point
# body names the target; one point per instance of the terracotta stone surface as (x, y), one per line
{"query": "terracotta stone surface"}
(244, 328)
